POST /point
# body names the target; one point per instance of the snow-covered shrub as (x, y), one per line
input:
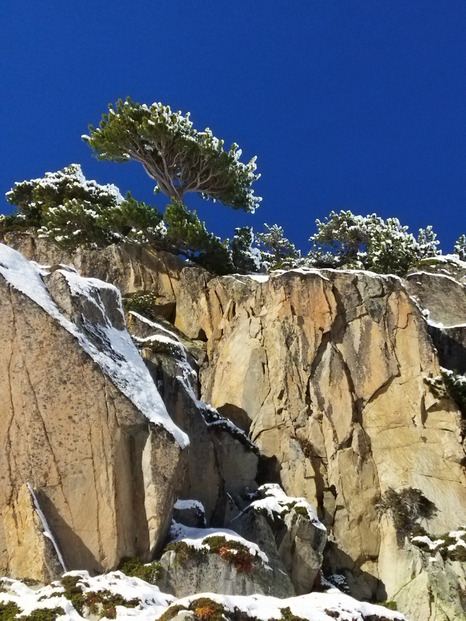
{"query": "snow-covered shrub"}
(369, 242)
(460, 248)
(245, 255)
(279, 252)
(450, 545)
(450, 384)
(71, 210)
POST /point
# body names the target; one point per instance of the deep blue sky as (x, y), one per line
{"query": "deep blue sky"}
(347, 104)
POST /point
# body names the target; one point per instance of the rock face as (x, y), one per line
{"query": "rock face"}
(324, 370)
(221, 461)
(210, 573)
(329, 368)
(104, 475)
(130, 268)
(441, 294)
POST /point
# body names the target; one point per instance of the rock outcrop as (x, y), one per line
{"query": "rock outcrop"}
(330, 375)
(76, 429)
(330, 368)
(130, 267)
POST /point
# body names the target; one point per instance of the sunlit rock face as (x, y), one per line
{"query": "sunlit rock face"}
(325, 370)
(329, 368)
(103, 474)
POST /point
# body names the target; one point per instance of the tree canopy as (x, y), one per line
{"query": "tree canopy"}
(369, 242)
(178, 157)
(71, 210)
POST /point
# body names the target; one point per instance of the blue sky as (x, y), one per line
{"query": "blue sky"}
(348, 104)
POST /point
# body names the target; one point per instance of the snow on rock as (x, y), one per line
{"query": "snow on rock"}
(195, 538)
(313, 606)
(147, 602)
(276, 502)
(182, 505)
(115, 353)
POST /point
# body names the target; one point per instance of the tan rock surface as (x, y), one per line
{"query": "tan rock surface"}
(329, 367)
(105, 475)
(129, 267)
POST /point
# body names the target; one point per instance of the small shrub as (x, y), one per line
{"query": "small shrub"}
(450, 384)
(369, 242)
(43, 614)
(74, 592)
(279, 252)
(134, 567)
(207, 609)
(31, 582)
(287, 615)
(171, 612)
(184, 553)
(460, 248)
(406, 508)
(9, 611)
(142, 302)
(234, 552)
(391, 605)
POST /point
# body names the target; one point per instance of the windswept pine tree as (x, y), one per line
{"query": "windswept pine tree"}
(178, 157)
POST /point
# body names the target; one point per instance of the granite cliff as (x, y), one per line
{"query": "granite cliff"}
(329, 387)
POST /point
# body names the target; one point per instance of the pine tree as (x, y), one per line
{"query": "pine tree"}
(369, 242)
(178, 157)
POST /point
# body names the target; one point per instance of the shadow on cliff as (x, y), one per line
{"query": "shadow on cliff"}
(451, 351)
(340, 569)
(76, 554)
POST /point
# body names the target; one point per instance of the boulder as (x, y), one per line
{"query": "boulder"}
(83, 427)
(443, 297)
(218, 561)
(287, 528)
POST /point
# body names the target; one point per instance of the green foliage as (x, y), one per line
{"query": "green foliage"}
(279, 253)
(453, 546)
(74, 592)
(246, 258)
(287, 615)
(142, 302)
(134, 567)
(171, 612)
(102, 602)
(406, 508)
(178, 157)
(460, 248)
(43, 614)
(207, 609)
(9, 611)
(369, 242)
(72, 211)
(189, 236)
(450, 545)
(390, 604)
(233, 552)
(185, 554)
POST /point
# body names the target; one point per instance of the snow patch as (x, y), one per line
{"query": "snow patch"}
(195, 538)
(116, 355)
